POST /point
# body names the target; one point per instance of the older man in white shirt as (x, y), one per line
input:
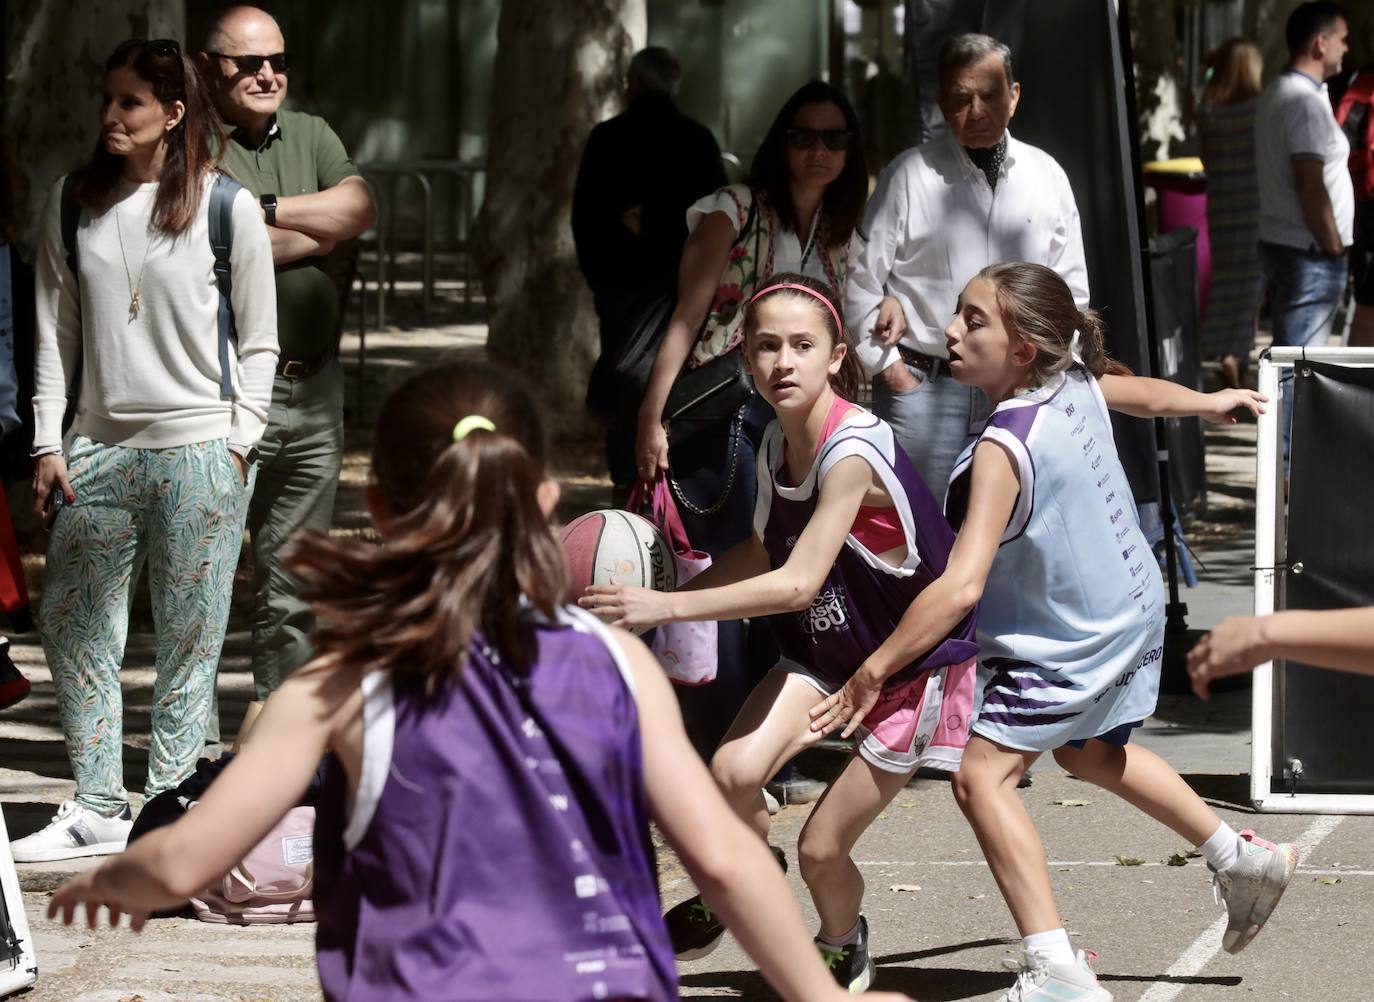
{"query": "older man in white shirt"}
(942, 211)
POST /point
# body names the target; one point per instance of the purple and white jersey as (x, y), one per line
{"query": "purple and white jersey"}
(863, 598)
(1071, 624)
(498, 844)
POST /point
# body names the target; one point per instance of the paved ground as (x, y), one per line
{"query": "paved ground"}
(1155, 925)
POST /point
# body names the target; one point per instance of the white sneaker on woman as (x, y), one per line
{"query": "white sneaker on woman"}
(74, 831)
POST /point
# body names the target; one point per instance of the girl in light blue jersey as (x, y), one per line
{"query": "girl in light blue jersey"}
(1071, 621)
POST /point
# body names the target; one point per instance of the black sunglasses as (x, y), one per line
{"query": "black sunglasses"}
(160, 47)
(248, 65)
(804, 139)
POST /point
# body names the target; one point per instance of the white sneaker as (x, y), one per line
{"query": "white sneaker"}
(1251, 887)
(771, 802)
(1039, 981)
(74, 831)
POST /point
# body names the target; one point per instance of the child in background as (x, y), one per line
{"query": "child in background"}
(483, 832)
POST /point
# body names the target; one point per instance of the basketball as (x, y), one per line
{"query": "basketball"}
(616, 547)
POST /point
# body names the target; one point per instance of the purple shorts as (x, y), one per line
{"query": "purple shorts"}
(1120, 736)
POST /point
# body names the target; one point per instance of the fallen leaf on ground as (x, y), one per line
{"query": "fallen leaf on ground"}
(1069, 802)
(1328, 880)
(1193, 854)
(976, 897)
(1177, 859)
(1128, 860)
(905, 887)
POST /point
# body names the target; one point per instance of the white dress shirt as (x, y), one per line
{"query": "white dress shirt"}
(934, 222)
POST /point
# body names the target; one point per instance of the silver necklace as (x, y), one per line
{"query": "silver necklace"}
(135, 298)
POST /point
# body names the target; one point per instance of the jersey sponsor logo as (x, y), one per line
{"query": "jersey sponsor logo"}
(1126, 553)
(1111, 496)
(1097, 461)
(1068, 411)
(1121, 533)
(827, 612)
(1136, 569)
(1103, 479)
(1088, 446)
(1078, 428)
(1116, 516)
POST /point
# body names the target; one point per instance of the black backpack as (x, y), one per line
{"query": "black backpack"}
(221, 243)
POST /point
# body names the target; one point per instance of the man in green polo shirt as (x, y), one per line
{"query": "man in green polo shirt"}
(311, 197)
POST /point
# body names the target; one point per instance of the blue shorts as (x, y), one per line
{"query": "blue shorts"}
(1120, 736)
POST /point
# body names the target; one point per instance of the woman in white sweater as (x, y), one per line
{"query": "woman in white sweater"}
(158, 463)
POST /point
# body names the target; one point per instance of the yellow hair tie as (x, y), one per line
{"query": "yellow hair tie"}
(469, 424)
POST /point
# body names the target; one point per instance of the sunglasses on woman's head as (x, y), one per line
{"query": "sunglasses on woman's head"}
(804, 139)
(160, 47)
(249, 65)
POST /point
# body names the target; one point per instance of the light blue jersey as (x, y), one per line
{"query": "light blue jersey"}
(1071, 623)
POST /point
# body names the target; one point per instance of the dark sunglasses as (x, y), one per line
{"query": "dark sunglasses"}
(160, 47)
(804, 139)
(249, 65)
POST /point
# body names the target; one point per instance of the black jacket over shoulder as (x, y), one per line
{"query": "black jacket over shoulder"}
(654, 157)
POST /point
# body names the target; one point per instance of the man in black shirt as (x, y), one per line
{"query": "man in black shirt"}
(640, 172)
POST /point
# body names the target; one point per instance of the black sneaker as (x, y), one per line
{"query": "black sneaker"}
(694, 928)
(13, 686)
(850, 966)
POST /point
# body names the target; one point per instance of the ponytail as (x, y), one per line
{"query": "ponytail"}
(469, 548)
(1093, 349)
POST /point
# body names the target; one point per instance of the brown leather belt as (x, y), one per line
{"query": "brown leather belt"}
(929, 364)
(303, 368)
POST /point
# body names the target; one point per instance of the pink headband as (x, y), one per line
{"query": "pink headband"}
(810, 292)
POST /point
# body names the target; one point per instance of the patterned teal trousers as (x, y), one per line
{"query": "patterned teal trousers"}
(182, 510)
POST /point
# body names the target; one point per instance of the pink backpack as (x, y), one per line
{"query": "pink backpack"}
(273, 882)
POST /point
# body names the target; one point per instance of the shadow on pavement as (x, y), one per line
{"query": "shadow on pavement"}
(1231, 793)
(1230, 981)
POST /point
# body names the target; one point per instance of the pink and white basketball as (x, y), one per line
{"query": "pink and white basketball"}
(616, 547)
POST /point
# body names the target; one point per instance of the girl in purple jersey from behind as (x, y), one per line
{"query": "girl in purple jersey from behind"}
(1070, 610)
(846, 536)
(494, 756)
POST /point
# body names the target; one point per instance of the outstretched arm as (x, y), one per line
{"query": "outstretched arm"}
(266, 779)
(1142, 396)
(728, 862)
(1336, 638)
(789, 588)
(946, 601)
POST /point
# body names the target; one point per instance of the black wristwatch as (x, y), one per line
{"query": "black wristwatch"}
(269, 206)
(251, 456)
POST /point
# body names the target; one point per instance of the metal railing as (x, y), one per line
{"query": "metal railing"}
(392, 174)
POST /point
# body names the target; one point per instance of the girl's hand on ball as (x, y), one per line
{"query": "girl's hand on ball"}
(1224, 404)
(626, 606)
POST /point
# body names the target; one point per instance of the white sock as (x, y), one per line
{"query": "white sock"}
(1051, 946)
(848, 939)
(1222, 849)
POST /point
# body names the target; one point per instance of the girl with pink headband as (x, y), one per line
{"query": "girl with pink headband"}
(846, 536)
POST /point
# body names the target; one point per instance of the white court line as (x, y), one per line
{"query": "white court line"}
(1311, 871)
(1206, 946)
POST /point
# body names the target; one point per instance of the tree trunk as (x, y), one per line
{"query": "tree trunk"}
(560, 69)
(54, 63)
(1158, 89)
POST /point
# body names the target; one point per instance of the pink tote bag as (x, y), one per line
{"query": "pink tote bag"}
(687, 651)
